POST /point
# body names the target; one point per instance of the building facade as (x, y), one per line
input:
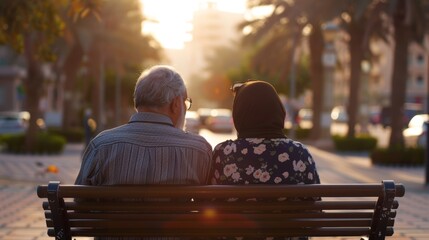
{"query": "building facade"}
(211, 28)
(377, 74)
(11, 76)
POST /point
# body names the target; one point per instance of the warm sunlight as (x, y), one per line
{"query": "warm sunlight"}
(170, 19)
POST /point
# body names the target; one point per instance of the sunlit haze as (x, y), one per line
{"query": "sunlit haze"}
(169, 20)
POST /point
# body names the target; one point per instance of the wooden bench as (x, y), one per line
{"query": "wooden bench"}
(365, 210)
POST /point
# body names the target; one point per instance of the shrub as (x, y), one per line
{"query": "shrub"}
(72, 135)
(45, 143)
(359, 143)
(300, 133)
(303, 133)
(398, 156)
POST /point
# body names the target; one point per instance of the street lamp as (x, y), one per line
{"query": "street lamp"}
(329, 60)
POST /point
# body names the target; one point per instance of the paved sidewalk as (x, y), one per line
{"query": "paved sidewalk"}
(21, 215)
(412, 222)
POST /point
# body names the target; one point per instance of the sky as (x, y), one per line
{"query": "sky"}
(171, 18)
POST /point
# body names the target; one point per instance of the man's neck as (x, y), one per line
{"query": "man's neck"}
(158, 110)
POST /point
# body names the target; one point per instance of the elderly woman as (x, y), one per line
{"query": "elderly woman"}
(261, 154)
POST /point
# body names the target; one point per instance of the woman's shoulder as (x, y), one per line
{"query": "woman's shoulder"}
(290, 143)
(240, 143)
(227, 143)
(276, 144)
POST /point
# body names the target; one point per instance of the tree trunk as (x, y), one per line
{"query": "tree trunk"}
(399, 77)
(357, 52)
(94, 72)
(33, 89)
(70, 69)
(316, 73)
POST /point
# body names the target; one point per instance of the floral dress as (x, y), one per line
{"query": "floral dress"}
(263, 161)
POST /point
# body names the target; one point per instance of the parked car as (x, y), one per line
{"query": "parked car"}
(304, 119)
(203, 114)
(410, 110)
(339, 114)
(416, 133)
(220, 120)
(192, 122)
(374, 116)
(14, 122)
(287, 123)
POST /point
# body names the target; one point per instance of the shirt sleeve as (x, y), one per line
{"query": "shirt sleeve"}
(312, 169)
(88, 166)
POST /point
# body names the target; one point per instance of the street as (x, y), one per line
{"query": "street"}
(21, 215)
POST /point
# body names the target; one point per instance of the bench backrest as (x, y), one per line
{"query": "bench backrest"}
(221, 210)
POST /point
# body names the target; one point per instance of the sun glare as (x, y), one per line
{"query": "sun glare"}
(170, 20)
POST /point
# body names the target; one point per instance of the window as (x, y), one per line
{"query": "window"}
(420, 59)
(420, 80)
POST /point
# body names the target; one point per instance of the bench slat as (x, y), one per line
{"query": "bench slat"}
(239, 222)
(155, 217)
(222, 191)
(220, 206)
(227, 233)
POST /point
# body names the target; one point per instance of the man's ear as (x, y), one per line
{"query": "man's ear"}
(176, 104)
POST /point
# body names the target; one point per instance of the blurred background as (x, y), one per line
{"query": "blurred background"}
(341, 67)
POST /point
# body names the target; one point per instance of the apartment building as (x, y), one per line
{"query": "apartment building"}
(377, 74)
(211, 28)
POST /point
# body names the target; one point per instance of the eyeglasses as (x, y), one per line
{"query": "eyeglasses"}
(188, 103)
(234, 88)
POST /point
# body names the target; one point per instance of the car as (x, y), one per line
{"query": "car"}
(192, 122)
(416, 133)
(287, 123)
(339, 114)
(220, 120)
(410, 110)
(374, 116)
(204, 113)
(14, 122)
(304, 119)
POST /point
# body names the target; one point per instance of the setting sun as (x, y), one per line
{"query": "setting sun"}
(169, 20)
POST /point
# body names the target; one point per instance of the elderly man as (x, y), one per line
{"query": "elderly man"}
(151, 148)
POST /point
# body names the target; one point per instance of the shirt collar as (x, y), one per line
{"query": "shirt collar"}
(151, 117)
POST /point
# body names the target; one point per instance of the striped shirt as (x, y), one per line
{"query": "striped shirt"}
(147, 150)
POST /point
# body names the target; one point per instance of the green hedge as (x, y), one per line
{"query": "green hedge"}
(45, 143)
(300, 133)
(358, 143)
(72, 135)
(398, 156)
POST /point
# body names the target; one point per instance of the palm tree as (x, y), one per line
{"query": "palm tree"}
(359, 19)
(282, 30)
(111, 39)
(317, 46)
(409, 22)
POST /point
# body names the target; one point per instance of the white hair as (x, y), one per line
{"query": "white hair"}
(157, 87)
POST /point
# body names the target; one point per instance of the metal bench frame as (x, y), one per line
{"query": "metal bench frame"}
(207, 211)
